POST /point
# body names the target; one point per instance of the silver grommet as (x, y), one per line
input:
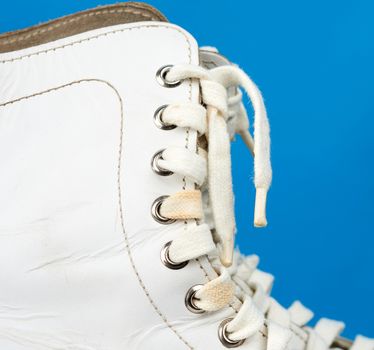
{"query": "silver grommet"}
(159, 122)
(156, 168)
(155, 211)
(342, 343)
(224, 338)
(161, 77)
(165, 258)
(190, 298)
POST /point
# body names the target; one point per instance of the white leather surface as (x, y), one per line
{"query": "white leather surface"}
(76, 139)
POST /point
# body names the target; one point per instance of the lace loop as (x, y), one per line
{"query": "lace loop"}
(182, 205)
(215, 95)
(216, 294)
(300, 315)
(182, 161)
(186, 115)
(191, 244)
(248, 321)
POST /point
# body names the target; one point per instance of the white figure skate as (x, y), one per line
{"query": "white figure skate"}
(116, 206)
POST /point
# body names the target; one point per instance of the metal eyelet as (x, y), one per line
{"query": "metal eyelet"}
(224, 338)
(156, 168)
(342, 343)
(161, 77)
(165, 258)
(158, 119)
(155, 211)
(190, 298)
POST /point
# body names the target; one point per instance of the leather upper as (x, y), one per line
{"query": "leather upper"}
(79, 249)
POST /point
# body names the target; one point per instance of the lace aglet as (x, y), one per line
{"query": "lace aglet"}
(227, 252)
(260, 207)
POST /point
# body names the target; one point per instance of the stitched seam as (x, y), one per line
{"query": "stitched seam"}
(119, 187)
(140, 280)
(4, 104)
(75, 19)
(112, 32)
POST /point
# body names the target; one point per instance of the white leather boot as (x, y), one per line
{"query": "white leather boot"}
(110, 131)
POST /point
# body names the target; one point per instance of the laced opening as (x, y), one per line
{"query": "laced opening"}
(213, 168)
(211, 120)
(216, 120)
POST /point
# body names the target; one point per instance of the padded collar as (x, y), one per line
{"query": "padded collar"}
(80, 22)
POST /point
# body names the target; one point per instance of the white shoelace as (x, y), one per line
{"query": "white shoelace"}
(214, 167)
(212, 122)
(218, 119)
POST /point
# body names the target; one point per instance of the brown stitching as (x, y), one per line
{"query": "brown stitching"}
(75, 19)
(119, 187)
(129, 250)
(127, 246)
(112, 32)
(4, 104)
(202, 269)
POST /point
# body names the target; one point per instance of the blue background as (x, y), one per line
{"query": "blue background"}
(313, 61)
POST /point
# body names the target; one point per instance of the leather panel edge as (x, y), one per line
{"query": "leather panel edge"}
(102, 16)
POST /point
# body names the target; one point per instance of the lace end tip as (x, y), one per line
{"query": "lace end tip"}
(260, 222)
(226, 255)
(260, 208)
(226, 263)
